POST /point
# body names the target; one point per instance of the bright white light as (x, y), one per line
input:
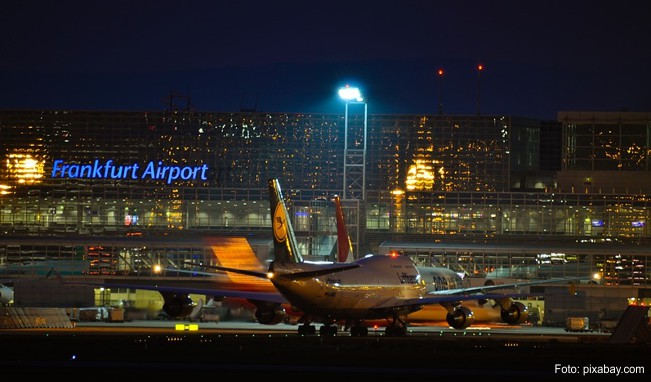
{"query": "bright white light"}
(350, 94)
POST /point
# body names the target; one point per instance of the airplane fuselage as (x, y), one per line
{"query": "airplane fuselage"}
(439, 278)
(354, 293)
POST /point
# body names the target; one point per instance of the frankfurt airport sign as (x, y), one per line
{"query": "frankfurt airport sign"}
(154, 170)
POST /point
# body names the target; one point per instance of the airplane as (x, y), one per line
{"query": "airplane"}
(379, 287)
(388, 287)
(6, 295)
(434, 277)
(442, 278)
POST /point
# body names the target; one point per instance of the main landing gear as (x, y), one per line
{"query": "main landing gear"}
(358, 329)
(397, 327)
(306, 329)
(326, 330)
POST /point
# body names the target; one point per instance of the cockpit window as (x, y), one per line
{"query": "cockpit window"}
(440, 283)
(407, 278)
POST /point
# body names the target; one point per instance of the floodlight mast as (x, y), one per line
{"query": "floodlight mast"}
(354, 157)
(354, 185)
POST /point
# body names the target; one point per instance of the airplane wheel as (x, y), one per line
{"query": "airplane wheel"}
(306, 330)
(395, 331)
(328, 330)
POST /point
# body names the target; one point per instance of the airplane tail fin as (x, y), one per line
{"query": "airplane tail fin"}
(344, 245)
(285, 246)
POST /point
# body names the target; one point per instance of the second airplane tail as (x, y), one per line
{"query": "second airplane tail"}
(344, 245)
(285, 246)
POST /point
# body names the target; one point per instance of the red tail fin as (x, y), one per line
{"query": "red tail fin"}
(344, 246)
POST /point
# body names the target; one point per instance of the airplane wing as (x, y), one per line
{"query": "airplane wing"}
(324, 270)
(484, 288)
(467, 294)
(262, 275)
(428, 300)
(272, 296)
(234, 293)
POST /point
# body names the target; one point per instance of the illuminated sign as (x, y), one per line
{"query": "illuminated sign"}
(597, 223)
(130, 220)
(638, 224)
(155, 170)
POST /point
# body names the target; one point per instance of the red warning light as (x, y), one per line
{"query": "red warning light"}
(394, 254)
(440, 72)
(480, 67)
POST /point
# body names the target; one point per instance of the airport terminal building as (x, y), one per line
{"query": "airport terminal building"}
(102, 188)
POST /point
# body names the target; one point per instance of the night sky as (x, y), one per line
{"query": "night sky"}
(540, 57)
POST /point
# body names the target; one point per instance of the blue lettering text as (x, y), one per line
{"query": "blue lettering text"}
(154, 170)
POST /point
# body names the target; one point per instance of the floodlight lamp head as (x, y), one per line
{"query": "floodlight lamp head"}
(348, 94)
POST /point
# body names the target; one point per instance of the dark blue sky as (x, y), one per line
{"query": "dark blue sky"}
(291, 56)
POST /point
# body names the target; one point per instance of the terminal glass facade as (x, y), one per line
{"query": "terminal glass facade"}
(428, 178)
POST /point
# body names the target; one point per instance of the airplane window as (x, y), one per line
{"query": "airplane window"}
(436, 282)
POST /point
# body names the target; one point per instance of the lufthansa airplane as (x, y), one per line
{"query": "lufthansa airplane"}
(387, 287)
(349, 294)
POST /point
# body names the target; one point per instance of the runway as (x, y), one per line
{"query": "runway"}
(169, 349)
(435, 330)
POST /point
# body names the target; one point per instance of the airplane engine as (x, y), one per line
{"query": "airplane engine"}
(177, 305)
(515, 314)
(269, 313)
(460, 318)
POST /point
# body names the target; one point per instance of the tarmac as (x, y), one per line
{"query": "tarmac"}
(173, 350)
